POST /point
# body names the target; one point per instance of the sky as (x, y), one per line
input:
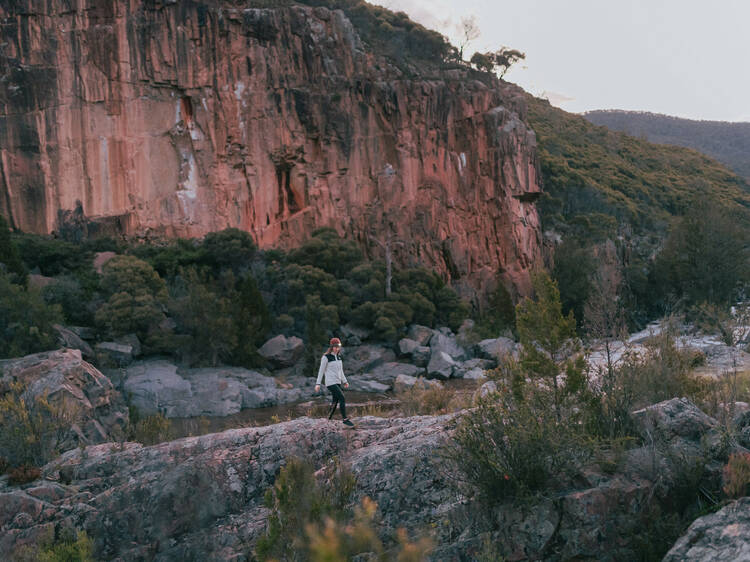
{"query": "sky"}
(687, 58)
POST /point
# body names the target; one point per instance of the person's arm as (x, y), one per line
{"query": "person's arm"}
(321, 371)
(346, 382)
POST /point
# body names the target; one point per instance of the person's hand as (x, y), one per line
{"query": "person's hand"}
(346, 385)
(317, 388)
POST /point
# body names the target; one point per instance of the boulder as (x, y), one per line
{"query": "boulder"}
(155, 387)
(83, 332)
(440, 366)
(421, 356)
(406, 382)
(487, 388)
(111, 354)
(364, 384)
(420, 334)
(68, 338)
(386, 373)
(723, 536)
(406, 346)
(447, 344)
(675, 418)
(352, 335)
(495, 348)
(98, 412)
(365, 357)
(474, 374)
(133, 341)
(282, 351)
(472, 369)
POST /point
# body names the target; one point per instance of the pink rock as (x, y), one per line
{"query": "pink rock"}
(123, 120)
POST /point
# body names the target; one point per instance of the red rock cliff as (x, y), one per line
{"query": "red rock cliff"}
(179, 118)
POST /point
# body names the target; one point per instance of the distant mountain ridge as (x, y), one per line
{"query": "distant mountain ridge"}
(728, 142)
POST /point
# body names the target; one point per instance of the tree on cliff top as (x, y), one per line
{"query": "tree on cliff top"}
(500, 60)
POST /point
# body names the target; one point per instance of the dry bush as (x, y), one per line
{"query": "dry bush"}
(23, 474)
(32, 429)
(151, 430)
(737, 475)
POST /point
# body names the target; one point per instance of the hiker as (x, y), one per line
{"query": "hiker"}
(332, 369)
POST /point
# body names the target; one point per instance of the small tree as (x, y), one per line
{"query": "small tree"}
(10, 259)
(136, 296)
(549, 340)
(469, 31)
(251, 321)
(500, 60)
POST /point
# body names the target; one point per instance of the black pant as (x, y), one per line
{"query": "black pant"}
(337, 397)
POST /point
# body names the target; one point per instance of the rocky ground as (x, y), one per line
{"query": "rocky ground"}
(201, 497)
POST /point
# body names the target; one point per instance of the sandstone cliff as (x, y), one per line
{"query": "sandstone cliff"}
(179, 118)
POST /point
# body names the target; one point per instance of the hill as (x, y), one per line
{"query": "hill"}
(729, 143)
(595, 178)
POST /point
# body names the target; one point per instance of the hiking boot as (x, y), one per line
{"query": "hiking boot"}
(348, 422)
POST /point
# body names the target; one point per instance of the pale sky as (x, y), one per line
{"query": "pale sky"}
(688, 58)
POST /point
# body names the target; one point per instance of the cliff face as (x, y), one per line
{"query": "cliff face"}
(180, 118)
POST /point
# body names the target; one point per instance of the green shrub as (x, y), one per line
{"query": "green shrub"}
(327, 251)
(73, 299)
(202, 309)
(25, 320)
(135, 297)
(70, 546)
(510, 447)
(230, 248)
(10, 259)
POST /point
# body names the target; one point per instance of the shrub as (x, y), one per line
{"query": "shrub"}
(230, 248)
(425, 401)
(10, 258)
(25, 320)
(510, 447)
(202, 311)
(71, 546)
(296, 500)
(151, 430)
(337, 541)
(327, 251)
(23, 474)
(32, 429)
(135, 296)
(72, 298)
(737, 475)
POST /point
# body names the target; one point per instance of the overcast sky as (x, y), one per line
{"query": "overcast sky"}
(689, 58)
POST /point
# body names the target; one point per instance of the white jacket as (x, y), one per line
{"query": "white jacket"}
(332, 368)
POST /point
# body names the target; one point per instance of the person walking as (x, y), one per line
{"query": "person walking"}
(332, 369)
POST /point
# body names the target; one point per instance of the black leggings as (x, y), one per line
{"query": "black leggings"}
(337, 397)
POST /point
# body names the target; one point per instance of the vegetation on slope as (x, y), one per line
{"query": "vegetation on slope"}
(590, 170)
(728, 142)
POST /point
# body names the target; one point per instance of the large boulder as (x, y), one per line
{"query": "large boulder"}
(420, 334)
(68, 338)
(387, 372)
(282, 351)
(201, 498)
(447, 344)
(113, 355)
(723, 536)
(406, 346)
(155, 387)
(97, 411)
(158, 386)
(440, 366)
(365, 358)
(403, 383)
(496, 348)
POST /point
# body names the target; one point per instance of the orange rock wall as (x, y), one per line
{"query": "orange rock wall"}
(179, 118)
